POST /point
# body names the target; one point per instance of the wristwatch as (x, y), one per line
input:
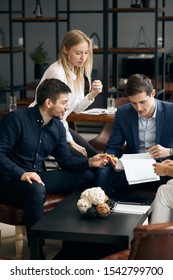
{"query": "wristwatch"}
(171, 152)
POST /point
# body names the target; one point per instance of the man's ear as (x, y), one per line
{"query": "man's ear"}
(153, 93)
(48, 102)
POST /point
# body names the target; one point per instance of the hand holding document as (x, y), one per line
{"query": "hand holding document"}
(138, 168)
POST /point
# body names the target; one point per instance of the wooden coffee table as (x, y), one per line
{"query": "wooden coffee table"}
(66, 223)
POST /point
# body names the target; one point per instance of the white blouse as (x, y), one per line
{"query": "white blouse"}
(77, 101)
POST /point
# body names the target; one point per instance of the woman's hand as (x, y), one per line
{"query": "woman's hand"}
(164, 168)
(160, 168)
(168, 162)
(31, 176)
(79, 148)
(96, 88)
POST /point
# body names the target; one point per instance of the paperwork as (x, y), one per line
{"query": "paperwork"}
(131, 209)
(138, 168)
(96, 111)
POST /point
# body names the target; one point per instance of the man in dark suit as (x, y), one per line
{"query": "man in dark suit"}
(143, 125)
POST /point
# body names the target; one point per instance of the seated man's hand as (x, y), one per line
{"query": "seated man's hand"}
(99, 160)
(31, 176)
(158, 151)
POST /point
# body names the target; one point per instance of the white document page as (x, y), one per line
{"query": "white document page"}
(95, 111)
(138, 168)
(129, 208)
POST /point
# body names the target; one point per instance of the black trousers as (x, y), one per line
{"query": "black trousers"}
(31, 197)
(82, 142)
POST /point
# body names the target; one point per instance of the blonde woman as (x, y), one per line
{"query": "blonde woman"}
(75, 60)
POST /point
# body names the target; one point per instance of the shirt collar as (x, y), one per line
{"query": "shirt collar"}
(37, 114)
(153, 116)
(72, 75)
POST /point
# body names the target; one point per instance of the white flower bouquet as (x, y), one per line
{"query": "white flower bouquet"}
(94, 202)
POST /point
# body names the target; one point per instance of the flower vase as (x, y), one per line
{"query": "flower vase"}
(146, 3)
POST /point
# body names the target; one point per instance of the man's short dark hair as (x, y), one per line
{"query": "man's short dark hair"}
(51, 88)
(138, 83)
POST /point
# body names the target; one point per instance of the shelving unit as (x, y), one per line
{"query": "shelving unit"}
(112, 8)
(169, 82)
(109, 8)
(11, 50)
(100, 51)
(155, 50)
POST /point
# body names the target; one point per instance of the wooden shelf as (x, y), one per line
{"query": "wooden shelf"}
(106, 10)
(38, 19)
(135, 10)
(14, 49)
(82, 12)
(165, 18)
(25, 102)
(129, 50)
(32, 85)
(18, 15)
(168, 89)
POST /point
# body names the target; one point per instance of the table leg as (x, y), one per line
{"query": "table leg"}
(35, 249)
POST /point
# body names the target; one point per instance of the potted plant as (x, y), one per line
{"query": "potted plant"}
(40, 58)
(3, 84)
(169, 61)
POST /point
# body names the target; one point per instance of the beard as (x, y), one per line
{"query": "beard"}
(57, 118)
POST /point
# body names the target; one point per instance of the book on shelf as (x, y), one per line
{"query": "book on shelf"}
(138, 168)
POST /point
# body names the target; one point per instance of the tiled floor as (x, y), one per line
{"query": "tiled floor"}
(7, 248)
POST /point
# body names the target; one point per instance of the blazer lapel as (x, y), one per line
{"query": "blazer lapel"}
(134, 122)
(159, 121)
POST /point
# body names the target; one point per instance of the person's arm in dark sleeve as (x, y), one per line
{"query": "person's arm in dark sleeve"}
(10, 134)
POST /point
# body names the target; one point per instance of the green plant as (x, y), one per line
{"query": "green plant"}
(3, 84)
(39, 55)
(169, 57)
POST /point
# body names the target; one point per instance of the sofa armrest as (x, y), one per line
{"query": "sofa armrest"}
(121, 255)
(152, 242)
(153, 227)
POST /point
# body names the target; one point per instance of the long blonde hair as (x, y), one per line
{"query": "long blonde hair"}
(72, 38)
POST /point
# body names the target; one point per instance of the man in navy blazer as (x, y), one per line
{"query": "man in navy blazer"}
(143, 125)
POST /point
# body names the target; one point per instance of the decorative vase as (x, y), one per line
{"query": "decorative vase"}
(95, 39)
(171, 72)
(39, 70)
(135, 4)
(146, 3)
(2, 97)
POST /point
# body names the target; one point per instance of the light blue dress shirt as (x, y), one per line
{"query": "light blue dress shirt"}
(147, 132)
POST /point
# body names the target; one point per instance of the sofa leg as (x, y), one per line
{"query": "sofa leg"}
(19, 233)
